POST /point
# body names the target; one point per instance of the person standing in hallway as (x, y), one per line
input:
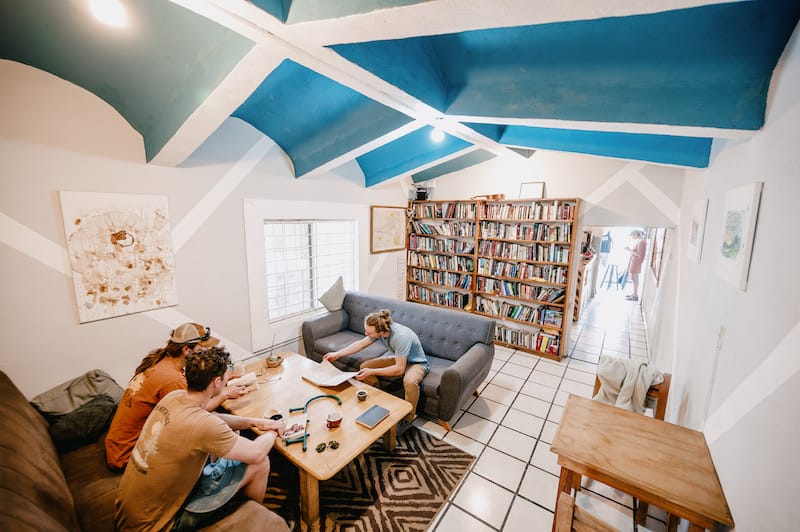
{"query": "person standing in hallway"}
(635, 263)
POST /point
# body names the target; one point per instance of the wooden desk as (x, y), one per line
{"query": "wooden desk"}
(666, 465)
(283, 388)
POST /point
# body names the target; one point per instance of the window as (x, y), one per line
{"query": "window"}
(303, 259)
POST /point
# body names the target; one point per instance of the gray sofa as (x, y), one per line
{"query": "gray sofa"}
(459, 347)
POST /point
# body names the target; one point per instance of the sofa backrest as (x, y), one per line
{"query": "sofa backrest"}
(34, 492)
(443, 332)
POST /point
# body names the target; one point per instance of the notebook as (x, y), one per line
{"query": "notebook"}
(374, 415)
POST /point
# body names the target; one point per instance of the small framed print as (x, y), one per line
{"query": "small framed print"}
(387, 229)
(532, 189)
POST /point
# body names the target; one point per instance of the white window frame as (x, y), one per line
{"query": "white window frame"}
(265, 334)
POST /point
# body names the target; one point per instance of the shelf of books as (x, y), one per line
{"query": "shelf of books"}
(511, 260)
(441, 253)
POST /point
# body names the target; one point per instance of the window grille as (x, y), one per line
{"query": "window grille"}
(303, 259)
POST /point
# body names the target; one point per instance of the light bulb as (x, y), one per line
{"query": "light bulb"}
(110, 12)
(437, 135)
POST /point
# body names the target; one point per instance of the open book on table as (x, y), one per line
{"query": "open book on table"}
(327, 375)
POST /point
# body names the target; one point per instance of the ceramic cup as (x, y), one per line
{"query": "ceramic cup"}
(334, 420)
(362, 395)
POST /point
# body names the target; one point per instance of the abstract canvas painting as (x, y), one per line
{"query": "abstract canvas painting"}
(120, 251)
(697, 228)
(738, 229)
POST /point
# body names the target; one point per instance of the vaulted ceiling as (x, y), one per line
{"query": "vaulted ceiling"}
(373, 80)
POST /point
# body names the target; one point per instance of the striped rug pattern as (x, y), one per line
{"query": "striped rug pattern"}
(378, 491)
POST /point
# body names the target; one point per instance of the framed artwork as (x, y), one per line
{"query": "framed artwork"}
(658, 240)
(739, 216)
(697, 228)
(387, 229)
(120, 252)
(532, 189)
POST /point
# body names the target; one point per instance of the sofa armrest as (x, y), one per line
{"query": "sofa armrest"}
(323, 326)
(463, 377)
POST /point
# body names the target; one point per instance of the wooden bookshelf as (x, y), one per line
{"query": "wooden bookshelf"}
(512, 260)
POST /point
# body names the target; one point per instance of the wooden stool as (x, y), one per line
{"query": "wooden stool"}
(572, 517)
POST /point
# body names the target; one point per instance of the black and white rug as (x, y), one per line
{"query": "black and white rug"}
(379, 491)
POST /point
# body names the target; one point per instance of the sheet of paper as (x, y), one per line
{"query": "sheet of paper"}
(328, 375)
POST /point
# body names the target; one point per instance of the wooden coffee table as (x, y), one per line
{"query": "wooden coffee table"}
(283, 388)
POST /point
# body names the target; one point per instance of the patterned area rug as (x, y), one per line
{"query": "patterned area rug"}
(378, 491)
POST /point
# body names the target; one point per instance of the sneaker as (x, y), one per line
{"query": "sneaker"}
(632, 298)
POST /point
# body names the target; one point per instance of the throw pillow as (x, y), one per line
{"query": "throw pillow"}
(84, 424)
(334, 296)
(69, 395)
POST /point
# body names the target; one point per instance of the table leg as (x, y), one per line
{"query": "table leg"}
(696, 528)
(565, 483)
(390, 439)
(672, 522)
(309, 498)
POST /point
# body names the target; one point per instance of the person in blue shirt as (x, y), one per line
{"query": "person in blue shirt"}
(406, 358)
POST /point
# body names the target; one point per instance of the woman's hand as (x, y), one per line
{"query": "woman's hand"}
(364, 373)
(330, 357)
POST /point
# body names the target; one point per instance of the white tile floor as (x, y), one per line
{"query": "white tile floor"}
(512, 484)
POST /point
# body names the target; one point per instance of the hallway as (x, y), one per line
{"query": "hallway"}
(512, 484)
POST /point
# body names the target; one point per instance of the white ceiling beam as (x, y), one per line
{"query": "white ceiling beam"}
(237, 86)
(615, 127)
(436, 17)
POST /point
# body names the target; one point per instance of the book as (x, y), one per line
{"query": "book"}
(248, 380)
(372, 416)
(327, 375)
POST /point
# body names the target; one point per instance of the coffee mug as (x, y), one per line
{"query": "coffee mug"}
(362, 395)
(334, 420)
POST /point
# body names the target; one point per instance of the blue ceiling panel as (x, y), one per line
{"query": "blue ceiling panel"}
(410, 64)
(277, 8)
(406, 153)
(705, 66)
(665, 149)
(492, 131)
(154, 75)
(313, 118)
(453, 165)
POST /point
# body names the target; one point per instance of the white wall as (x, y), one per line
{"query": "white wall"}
(739, 389)
(44, 344)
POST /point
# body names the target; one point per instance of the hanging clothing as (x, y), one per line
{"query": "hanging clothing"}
(624, 383)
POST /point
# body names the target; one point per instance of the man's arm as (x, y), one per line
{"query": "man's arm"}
(231, 391)
(395, 370)
(355, 347)
(252, 451)
(242, 423)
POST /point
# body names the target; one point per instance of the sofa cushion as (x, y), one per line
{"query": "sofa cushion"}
(94, 486)
(84, 424)
(34, 492)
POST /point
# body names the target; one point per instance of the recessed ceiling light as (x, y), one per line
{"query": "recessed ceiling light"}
(110, 12)
(437, 135)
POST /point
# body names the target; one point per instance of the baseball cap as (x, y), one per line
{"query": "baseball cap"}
(193, 333)
(218, 483)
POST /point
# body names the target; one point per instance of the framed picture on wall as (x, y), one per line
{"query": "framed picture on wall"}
(658, 242)
(697, 229)
(532, 189)
(739, 216)
(387, 229)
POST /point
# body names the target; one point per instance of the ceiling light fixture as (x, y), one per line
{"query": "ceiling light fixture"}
(110, 12)
(437, 135)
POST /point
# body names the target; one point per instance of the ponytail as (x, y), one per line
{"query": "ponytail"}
(172, 350)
